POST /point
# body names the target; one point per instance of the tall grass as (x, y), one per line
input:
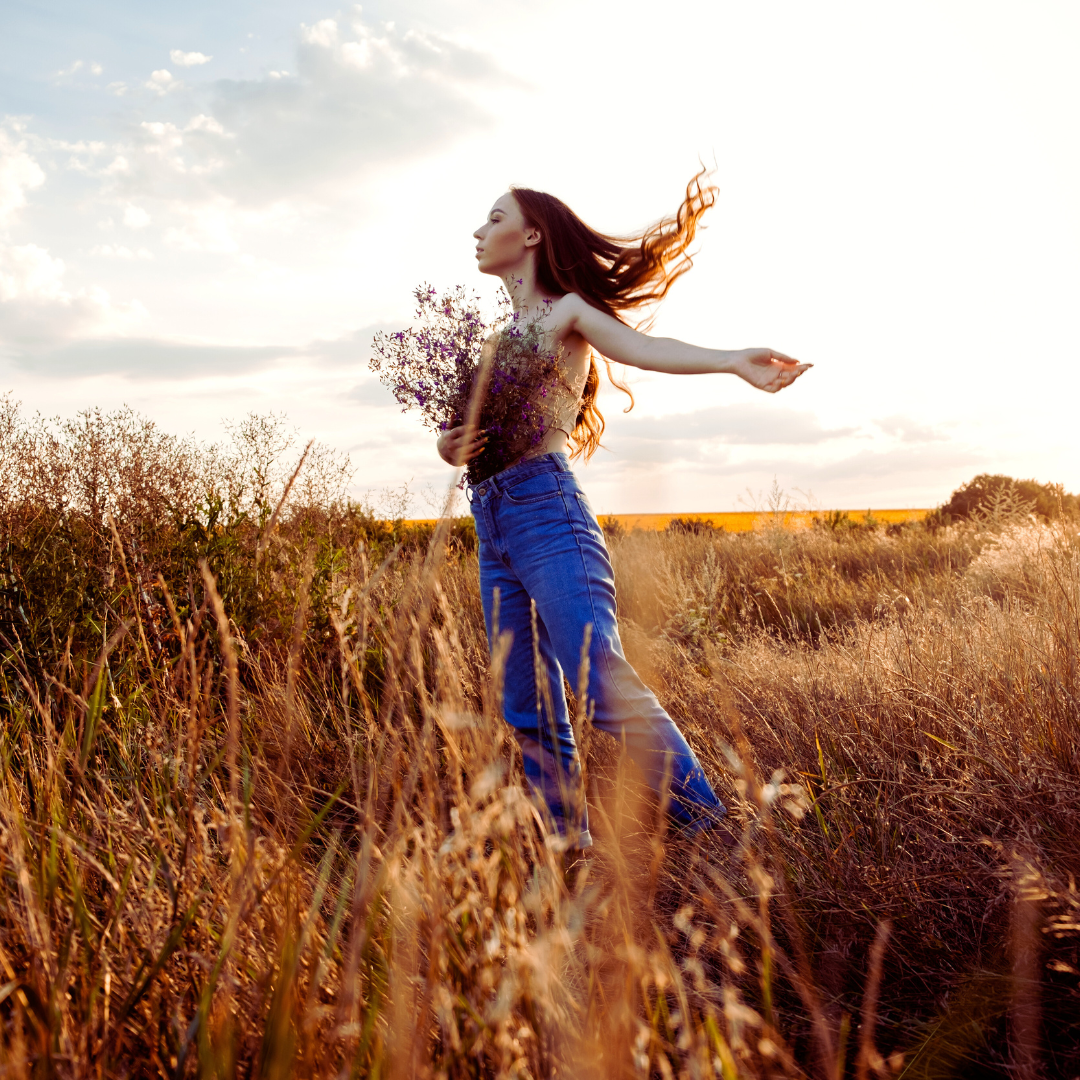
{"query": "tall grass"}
(260, 815)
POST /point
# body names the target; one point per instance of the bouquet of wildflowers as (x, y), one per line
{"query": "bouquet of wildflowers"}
(438, 366)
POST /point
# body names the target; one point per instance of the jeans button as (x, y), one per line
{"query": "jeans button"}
(482, 489)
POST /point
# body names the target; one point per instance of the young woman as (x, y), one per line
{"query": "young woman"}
(540, 543)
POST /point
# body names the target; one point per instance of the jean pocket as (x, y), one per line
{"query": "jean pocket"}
(534, 489)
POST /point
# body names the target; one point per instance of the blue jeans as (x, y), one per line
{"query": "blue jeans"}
(540, 542)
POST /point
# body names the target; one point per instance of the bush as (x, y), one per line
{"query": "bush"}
(692, 526)
(612, 527)
(988, 494)
(841, 522)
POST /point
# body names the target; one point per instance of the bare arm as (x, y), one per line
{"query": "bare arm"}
(766, 369)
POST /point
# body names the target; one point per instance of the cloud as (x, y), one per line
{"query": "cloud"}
(37, 309)
(188, 59)
(93, 67)
(686, 435)
(204, 227)
(371, 392)
(161, 82)
(19, 173)
(909, 430)
(889, 464)
(29, 272)
(156, 358)
(135, 217)
(149, 358)
(359, 97)
(205, 123)
(118, 251)
(864, 469)
(354, 348)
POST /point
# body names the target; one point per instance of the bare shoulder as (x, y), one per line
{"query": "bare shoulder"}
(564, 313)
(566, 309)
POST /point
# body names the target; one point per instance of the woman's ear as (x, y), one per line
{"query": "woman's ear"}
(533, 235)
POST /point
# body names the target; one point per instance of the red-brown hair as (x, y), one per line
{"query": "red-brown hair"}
(617, 274)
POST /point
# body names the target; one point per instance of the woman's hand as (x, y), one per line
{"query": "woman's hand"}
(459, 445)
(767, 369)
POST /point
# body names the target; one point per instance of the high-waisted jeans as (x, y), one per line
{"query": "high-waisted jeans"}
(540, 542)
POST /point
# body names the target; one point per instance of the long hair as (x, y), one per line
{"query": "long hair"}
(617, 274)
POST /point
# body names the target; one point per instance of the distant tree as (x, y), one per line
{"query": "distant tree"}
(987, 491)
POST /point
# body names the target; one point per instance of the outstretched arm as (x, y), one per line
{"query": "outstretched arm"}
(766, 369)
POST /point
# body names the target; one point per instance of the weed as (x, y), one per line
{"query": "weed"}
(259, 812)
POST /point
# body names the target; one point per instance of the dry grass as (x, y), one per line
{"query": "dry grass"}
(259, 814)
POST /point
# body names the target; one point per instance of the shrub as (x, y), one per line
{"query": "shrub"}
(990, 494)
(612, 527)
(692, 526)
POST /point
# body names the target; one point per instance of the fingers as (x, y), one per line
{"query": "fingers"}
(786, 376)
(464, 448)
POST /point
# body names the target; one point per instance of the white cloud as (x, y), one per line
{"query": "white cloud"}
(19, 173)
(157, 358)
(188, 59)
(161, 137)
(79, 65)
(29, 272)
(135, 217)
(205, 228)
(357, 97)
(205, 123)
(689, 435)
(324, 33)
(37, 309)
(153, 358)
(909, 430)
(117, 88)
(162, 81)
(118, 251)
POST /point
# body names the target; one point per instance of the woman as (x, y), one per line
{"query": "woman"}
(540, 543)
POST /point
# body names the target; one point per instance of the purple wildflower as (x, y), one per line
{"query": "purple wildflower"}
(431, 367)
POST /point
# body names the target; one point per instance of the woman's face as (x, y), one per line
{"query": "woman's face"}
(503, 240)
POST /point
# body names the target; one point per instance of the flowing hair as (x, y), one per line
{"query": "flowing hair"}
(617, 274)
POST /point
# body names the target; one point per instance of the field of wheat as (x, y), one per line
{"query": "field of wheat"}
(260, 815)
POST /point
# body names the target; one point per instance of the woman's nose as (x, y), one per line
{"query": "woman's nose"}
(476, 235)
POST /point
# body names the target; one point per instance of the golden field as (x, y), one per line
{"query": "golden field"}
(740, 520)
(260, 816)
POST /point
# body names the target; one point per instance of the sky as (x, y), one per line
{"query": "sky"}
(208, 210)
